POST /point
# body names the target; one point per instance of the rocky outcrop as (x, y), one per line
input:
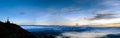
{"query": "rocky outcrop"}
(10, 30)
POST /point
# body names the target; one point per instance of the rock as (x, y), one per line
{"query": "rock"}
(10, 30)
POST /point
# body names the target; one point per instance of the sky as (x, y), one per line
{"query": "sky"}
(60, 12)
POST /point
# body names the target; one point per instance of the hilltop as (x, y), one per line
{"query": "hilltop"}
(10, 30)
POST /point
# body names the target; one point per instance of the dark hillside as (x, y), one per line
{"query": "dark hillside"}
(10, 30)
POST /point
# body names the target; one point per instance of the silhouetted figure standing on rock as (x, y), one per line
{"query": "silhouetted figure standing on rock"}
(8, 21)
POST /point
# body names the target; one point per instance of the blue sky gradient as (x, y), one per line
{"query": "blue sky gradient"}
(54, 12)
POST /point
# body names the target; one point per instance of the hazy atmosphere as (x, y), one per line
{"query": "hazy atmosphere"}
(59, 18)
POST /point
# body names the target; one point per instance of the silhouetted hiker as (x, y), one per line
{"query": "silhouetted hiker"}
(8, 21)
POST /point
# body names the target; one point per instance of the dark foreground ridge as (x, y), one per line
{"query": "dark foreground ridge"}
(10, 30)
